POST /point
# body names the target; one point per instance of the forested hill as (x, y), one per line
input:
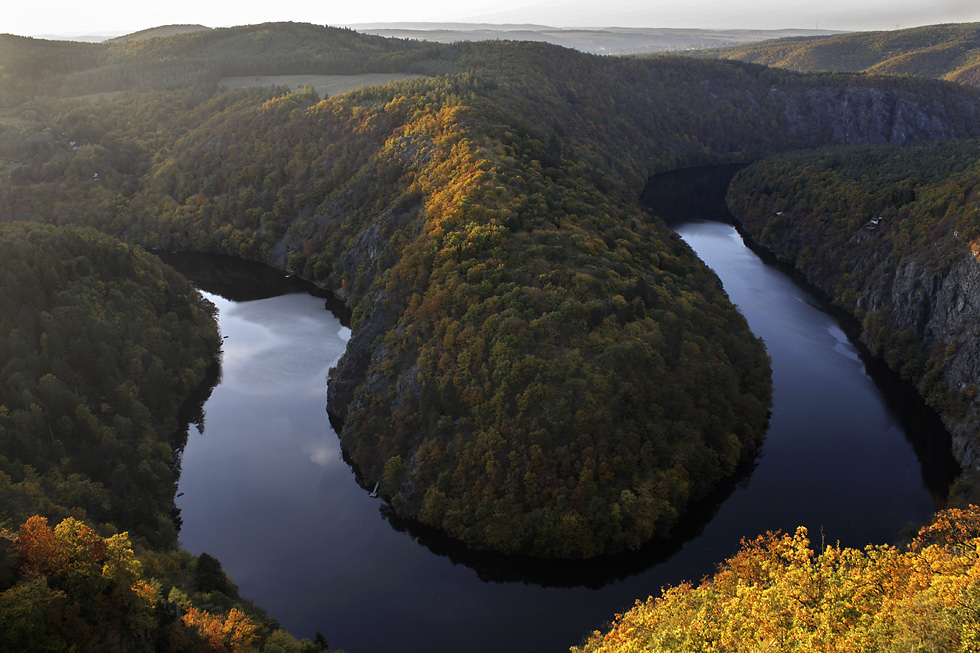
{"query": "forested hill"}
(32, 68)
(950, 52)
(537, 365)
(100, 344)
(158, 32)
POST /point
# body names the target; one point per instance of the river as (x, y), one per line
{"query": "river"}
(264, 487)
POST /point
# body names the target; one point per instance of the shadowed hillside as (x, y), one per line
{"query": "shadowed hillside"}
(893, 235)
(33, 68)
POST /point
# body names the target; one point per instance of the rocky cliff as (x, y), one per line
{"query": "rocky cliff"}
(889, 234)
(863, 115)
(941, 308)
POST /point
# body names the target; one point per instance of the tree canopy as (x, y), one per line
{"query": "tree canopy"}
(100, 344)
(782, 593)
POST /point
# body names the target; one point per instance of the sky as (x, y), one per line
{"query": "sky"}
(72, 17)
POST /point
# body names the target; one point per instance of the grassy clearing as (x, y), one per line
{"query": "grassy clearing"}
(94, 97)
(10, 117)
(325, 85)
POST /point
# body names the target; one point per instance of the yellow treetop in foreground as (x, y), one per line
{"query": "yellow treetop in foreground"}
(778, 594)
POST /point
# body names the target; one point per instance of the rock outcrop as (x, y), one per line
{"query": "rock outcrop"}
(942, 309)
(862, 115)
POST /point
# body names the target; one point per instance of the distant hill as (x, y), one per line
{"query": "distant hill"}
(950, 52)
(23, 58)
(155, 32)
(605, 40)
(187, 55)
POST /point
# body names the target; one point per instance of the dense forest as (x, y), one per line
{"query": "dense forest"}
(950, 52)
(100, 344)
(538, 364)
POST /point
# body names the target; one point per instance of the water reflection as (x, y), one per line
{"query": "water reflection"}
(594, 573)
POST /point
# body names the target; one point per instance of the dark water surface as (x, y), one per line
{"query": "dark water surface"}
(265, 488)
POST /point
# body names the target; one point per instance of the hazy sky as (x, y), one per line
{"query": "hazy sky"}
(119, 16)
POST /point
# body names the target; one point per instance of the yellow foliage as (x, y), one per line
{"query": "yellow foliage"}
(778, 594)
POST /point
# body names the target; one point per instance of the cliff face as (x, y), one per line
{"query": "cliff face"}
(860, 115)
(942, 309)
(883, 232)
(363, 262)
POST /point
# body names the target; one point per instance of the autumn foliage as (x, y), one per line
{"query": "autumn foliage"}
(76, 588)
(234, 632)
(99, 344)
(781, 594)
(68, 588)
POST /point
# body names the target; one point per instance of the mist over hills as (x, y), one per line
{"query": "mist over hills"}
(591, 39)
(595, 40)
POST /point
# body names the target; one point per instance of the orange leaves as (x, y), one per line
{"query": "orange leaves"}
(233, 633)
(72, 550)
(38, 547)
(950, 526)
(98, 583)
(104, 592)
(431, 305)
(75, 557)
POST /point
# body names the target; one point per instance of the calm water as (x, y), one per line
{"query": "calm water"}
(266, 491)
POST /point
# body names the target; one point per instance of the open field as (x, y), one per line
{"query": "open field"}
(325, 85)
(10, 117)
(94, 97)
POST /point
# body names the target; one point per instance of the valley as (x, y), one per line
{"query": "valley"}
(538, 366)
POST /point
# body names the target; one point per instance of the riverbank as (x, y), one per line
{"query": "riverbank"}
(892, 252)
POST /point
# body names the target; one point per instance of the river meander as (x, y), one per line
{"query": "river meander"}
(265, 489)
